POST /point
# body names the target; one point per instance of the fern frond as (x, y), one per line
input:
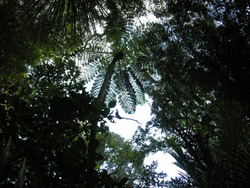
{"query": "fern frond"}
(94, 49)
(126, 94)
(125, 76)
(111, 94)
(98, 84)
(144, 71)
(127, 102)
(135, 79)
(138, 87)
(90, 71)
(138, 73)
(119, 81)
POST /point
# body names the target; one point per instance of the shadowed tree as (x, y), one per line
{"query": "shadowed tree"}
(201, 54)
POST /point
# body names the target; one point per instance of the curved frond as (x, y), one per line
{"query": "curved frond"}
(127, 102)
(111, 94)
(72, 16)
(140, 74)
(94, 49)
(90, 71)
(126, 92)
(98, 84)
(137, 86)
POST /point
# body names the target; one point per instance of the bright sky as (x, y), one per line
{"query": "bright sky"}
(127, 128)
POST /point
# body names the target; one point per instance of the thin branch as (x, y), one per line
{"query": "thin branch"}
(129, 119)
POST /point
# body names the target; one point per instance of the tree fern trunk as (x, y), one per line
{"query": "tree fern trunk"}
(93, 129)
(110, 71)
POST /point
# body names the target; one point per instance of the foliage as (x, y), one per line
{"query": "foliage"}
(201, 101)
(130, 75)
(193, 62)
(49, 123)
(17, 51)
(69, 20)
(124, 159)
(208, 149)
(120, 157)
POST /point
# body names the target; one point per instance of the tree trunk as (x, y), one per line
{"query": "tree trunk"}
(110, 71)
(93, 128)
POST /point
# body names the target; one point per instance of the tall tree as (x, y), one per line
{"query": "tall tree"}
(201, 52)
(127, 75)
(53, 100)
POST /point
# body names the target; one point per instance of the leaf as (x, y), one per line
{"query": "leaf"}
(112, 104)
(98, 104)
(127, 102)
(105, 112)
(117, 115)
(90, 71)
(111, 94)
(80, 146)
(98, 84)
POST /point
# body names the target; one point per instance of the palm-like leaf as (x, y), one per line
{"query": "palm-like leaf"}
(70, 16)
(241, 165)
(137, 86)
(125, 84)
(128, 84)
(73, 18)
(112, 92)
(89, 72)
(98, 84)
(126, 94)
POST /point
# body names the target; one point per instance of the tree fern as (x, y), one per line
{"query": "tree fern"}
(128, 79)
(98, 83)
(111, 93)
(126, 92)
(127, 102)
(127, 76)
(138, 87)
(89, 72)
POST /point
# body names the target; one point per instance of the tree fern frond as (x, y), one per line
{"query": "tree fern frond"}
(90, 71)
(73, 17)
(125, 76)
(126, 94)
(138, 87)
(147, 63)
(135, 79)
(87, 57)
(98, 84)
(120, 83)
(139, 73)
(112, 92)
(127, 102)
